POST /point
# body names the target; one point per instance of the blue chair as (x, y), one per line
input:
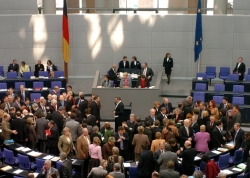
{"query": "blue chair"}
(248, 71)
(27, 74)
(111, 83)
(1, 71)
(223, 162)
(24, 162)
(17, 177)
(11, 75)
(247, 77)
(238, 88)
(200, 87)
(238, 100)
(58, 74)
(233, 77)
(237, 158)
(218, 99)
(224, 73)
(9, 157)
(245, 175)
(39, 164)
(203, 166)
(3, 85)
(56, 83)
(43, 73)
(38, 84)
(219, 87)
(133, 172)
(35, 96)
(201, 74)
(211, 72)
(18, 84)
(58, 165)
(199, 96)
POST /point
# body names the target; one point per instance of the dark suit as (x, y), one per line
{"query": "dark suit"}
(160, 117)
(154, 130)
(26, 95)
(91, 120)
(151, 119)
(148, 132)
(97, 172)
(165, 157)
(52, 140)
(119, 109)
(121, 65)
(113, 76)
(95, 111)
(130, 130)
(58, 119)
(65, 170)
(53, 68)
(82, 106)
(168, 107)
(149, 72)
(19, 125)
(13, 67)
(38, 68)
(122, 150)
(240, 70)
(144, 168)
(135, 65)
(196, 127)
(188, 156)
(217, 138)
(223, 107)
(168, 65)
(239, 139)
(183, 134)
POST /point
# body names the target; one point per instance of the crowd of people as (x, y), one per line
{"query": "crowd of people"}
(69, 126)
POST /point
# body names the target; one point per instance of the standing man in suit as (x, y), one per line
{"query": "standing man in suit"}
(47, 169)
(151, 118)
(157, 155)
(83, 105)
(121, 142)
(185, 132)
(55, 91)
(64, 103)
(240, 68)
(95, 109)
(162, 114)
(195, 126)
(167, 105)
(238, 137)
(224, 103)
(148, 132)
(123, 64)
(210, 125)
(168, 65)
(145, 166)
(217, 138)
(112, 73)
(135, 64)
(147, 72)
(155, 129)
(23, 93)
(38, 67)
(41, 126)
(99, 172)
(237, 114)
(14, 67)
(187, 156)
(65, 170)
(169, 172)
(58, 118)
(118, 112)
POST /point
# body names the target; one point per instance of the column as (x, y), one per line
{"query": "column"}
(220, 6)
(49, 6)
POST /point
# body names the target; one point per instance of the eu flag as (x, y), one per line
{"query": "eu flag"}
(198, 33)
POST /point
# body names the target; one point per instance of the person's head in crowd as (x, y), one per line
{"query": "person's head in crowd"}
(143, 77)
(155, 175)
(6, 99)
(103, 163)
(18, 99)
(30, 175)
(95, 129)
(22, 88)
(132, 117)
(164, 122)
(125, 75)
(117, 99)
(49, 97)
(107, 126)
(27, 101)
(12, 110)
(23, 63)
(70, 94)
(240, 59)
(165, 129)
(236, 126)
(97, 98)
(39, 62)
(197, 103)
(114, 66)
(205, 114)
(147, 123)
(80, 93)
(87, 111)
(172, 142)
(189, 116)
(10, 91)
(187, 144)
(229, 106)
(18, 114)
(29, 121)
(69, 88)
(134, 58)
(85, 132)
(6, 117)
(170, 122)
(106, 78)
(25, 112)
(157, 104)
(120, 130)
(49, 63)
(186, 122)
(225, 100)
(144, 65)
(96, 141)
(189, 100)
(125, 58)
(63, 156)
(111, 140)
(157, 123)
(73, 115)
(184, 176)
(205, 158)
(236, 109)
(52, 175)
(198, 174)
(47, 165)
(170, 165)
(202, 128)
(202, 105)
(56, 89)
(61, 98)
(158, 135)
(167, 147)
(10, 98)
(223, 112)
(82, 96)
(222, 175)
(37, 115)
(140, 130)
(212, 104)
(194, 118)
(180, 106)
(212, 118)
(196, 111)
(162, 145)
(137, 120)
(117, 167)
(115, 151)
(218, 124)
(177, 111)
(62, 109)
(247, 136)
(165, 101)
(54, 97)
(64, 94)
(14, 61)
(53, 102)
(163, 110)
(152, 112)
(66, 131)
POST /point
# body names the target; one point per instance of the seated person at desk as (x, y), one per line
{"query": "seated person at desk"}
(240, 68)
(135, 64)
(14, 67)
(38, 67)
(106, 82)
(51, 68)
(142, 82)
(123, 64)
(113, 76)
(125, 81)
(24, 68)
(148, 72)
(47, 169)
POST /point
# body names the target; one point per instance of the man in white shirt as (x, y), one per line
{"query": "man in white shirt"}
(123, 64)
(240, 68)
(148, 72)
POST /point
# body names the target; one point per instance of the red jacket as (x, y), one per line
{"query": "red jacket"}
(211, 170)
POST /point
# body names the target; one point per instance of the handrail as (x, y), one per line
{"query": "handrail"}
(158, 80)
(97, 75)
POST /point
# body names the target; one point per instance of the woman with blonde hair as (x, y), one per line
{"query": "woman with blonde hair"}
(115, 158)
(157, 107)
(95, 153)
(65, 143)
(125, 81)
(72, 100)
(155, 143)
(32, 136)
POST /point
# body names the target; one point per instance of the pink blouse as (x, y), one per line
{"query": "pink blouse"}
(95, 152)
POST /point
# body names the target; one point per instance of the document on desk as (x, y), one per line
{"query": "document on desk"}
(237, 169)
(26, 149)
(48, 157)
(35, 174)
(222, 149)
(126, 164)
(226, 171)
(55, 159)
(19, 148)
(216, 152)
(34, 153)
(18, 171)
(151, 87)
(197, 158)
(6, 168)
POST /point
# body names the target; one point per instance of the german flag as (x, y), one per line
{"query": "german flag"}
(65, 33)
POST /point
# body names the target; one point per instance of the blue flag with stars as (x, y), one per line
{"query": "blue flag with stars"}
(198, 33)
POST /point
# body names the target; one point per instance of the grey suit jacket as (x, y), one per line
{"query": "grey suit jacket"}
(74, 128)
(97, 172)
(169, 173)
(67, 164)
(117, 174)
(46, 175)
(165, 157)
(41, 126)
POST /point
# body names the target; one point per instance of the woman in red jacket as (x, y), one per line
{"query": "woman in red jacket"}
(211, 170)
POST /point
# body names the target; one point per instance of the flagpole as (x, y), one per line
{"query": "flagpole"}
(66, 71)
(199, 63)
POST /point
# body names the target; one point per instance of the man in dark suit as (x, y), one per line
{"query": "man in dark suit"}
(121, 142)
(185, 132)
(23, 93)
(144, 168)
(194, 125)
(38, 67)
(135, 64)
(64, 103)
(41, 126)
(168, 65)
(157, 155)
(162, 115)
(151, 118)
(210, 125)
(217, 138)
(147, 131)
(240, 68)
(156, 128)
(130, 129)
(95, 109)
(14, 67)
(66, 167)
(187, 156)
(224, 104)
(167, 105)
(57, 117)
(148, 72)
(123, 64)
(91, 119)
(83, 105)
(167, 156)
(112, 73)
(238, 137)
(47, 169)
(118, 112)
(204, 108)
(54, 91)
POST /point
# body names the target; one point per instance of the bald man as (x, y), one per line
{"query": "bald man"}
(185, 132)
(187, 156)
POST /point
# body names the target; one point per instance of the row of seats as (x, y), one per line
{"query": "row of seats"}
(219, 87)
(13, 75)
(35, 85)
